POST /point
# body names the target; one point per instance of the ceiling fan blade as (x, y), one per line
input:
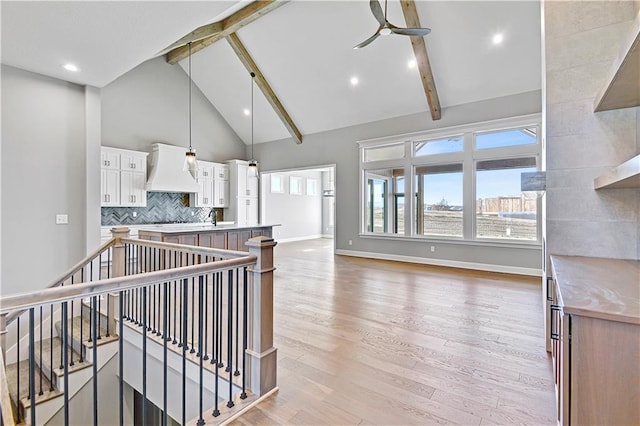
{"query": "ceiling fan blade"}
(377, 11)
(411, 31)
(368, 41)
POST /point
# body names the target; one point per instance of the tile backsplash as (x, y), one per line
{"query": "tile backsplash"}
(162, 207)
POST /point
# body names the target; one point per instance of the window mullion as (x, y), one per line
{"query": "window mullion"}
(468, 189)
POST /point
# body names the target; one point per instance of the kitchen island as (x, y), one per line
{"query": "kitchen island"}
(224, 236)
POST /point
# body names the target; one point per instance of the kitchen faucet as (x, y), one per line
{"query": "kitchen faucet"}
(213, 214)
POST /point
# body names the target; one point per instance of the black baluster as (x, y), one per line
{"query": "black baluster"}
(230, 339)
(214, 319)
(18, 363)
(206, 318)
(144, 356)
(243, 395)
(193, 306)
(121, 301)
(108, 312)
(237, 372)
(81, 317)
(96, 327)
(71, 364)
(32, 365)
(200, 348)
(220, 284)
(65, 360)
(152, 316)
(175, 299)
(51, 346)
(185, 290)
(181, 330)
(41, 392)
(165, 329)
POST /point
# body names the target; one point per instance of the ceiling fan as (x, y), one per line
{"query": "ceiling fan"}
(386, 27)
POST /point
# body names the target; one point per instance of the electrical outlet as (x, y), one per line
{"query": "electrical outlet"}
(134, 214)
(433, 249)
(62, 219)
(350, 242)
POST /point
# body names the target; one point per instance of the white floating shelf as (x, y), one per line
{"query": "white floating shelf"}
(626, 175)
(623, 85)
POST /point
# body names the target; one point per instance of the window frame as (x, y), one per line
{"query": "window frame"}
(468, 158)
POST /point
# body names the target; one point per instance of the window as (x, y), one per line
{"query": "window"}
(387, 152)
(312, 187)
(460, 183)
(502, 209)
(384, 199)
(439, 200)
(505, 138)
(277, 184)
(439, 146)
(295, 185)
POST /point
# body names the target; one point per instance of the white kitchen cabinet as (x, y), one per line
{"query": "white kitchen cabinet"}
(220, 193)
(205, 195)
(109, 159)
(243, 194)
(221, 172)
(123, 177)
(132, 192)
(110, 187)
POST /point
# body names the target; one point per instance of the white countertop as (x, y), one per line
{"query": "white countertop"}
(189, 227)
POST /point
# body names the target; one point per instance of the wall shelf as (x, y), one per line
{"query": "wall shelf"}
(626, 175)
(623, 85)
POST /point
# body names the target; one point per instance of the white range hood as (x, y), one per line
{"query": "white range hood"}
(166, 170)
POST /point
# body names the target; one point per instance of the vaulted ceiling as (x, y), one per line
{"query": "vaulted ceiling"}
(303, 48)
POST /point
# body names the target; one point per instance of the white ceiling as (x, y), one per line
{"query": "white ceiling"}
(304, 49)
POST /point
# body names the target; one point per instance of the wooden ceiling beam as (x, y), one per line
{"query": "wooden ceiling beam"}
(422, 59)
(208, 34)
(264, 86)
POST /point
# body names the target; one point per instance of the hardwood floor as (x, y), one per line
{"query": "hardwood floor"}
(374, 342)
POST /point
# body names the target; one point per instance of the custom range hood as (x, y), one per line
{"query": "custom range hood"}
(166, 173)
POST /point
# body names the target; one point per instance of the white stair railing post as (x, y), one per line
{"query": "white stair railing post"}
(118, 262)
(261, 355)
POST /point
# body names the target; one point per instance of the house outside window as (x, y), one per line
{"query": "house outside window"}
(465, 183)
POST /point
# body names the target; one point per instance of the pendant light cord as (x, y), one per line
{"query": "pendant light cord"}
(252, 76)
(190, 97)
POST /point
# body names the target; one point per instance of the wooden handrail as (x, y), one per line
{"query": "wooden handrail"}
(65, 293)
(74, 269)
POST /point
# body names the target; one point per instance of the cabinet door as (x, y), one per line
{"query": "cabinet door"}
(132, 189)
(243, 191)
(252, 186)
(110, 183)
(133, 162)
(204, 197)
(221, 172)
(109, 159)
(241, 214)
(252, 211)
(205, 170)
(221, 193)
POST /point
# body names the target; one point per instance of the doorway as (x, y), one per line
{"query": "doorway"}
(302, 201)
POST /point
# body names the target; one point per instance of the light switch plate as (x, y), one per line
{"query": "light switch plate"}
(62, 219)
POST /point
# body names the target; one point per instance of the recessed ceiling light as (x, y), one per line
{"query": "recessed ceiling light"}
(246, 111)
(70, 67)
(412, 64)
(497, 38)
(354, 81)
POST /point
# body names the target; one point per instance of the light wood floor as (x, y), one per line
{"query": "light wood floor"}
(375, 342)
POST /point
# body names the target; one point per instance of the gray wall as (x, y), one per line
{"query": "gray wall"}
(150, 104)
(581, 144)
(43, 174)
(299, 215)
(339, 147)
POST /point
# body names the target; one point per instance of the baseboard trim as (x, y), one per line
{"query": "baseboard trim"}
(307, 237)
(439, 262)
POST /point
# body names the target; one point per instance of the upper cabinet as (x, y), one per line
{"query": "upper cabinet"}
(213, 185)
(622, 88)
(243, 194)
(123, 177)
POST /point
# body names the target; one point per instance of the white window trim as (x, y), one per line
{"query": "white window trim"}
(468, 157)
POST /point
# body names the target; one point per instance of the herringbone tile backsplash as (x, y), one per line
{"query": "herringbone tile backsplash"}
(162, 207)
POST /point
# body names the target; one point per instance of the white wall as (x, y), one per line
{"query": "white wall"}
(581, 144)
(43, 174)
(299, 215)
(150, 104)
(339, 147)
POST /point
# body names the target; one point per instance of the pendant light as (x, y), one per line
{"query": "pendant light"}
(190, 163)
(252, 171)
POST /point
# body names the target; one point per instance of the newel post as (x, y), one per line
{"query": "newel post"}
(262, 356)
(118, 262)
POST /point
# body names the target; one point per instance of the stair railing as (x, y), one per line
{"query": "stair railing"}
(213, 307)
